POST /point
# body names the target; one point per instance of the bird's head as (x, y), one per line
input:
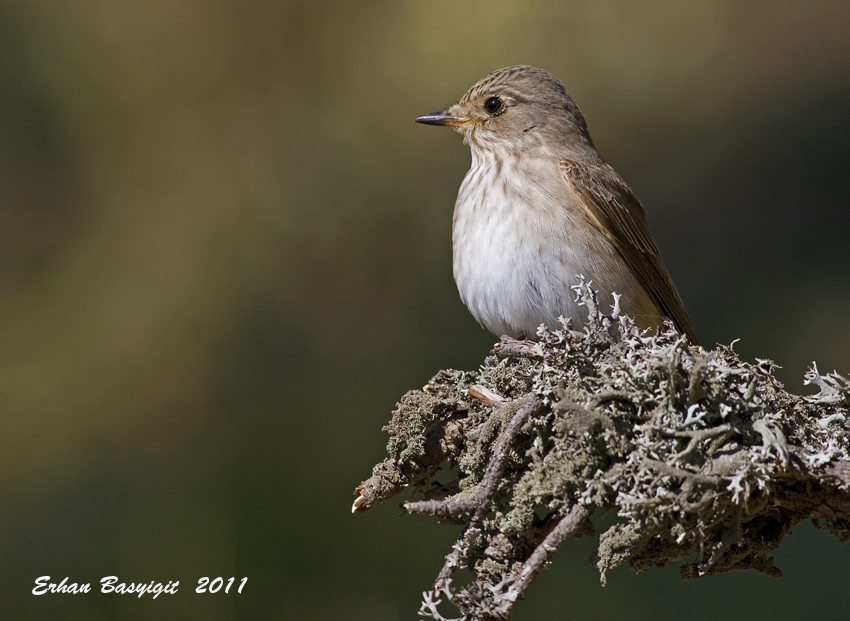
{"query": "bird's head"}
(516, 108)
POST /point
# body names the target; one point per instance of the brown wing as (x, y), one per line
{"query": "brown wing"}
(618, 214)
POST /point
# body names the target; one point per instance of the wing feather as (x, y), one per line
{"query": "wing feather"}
(619, 216)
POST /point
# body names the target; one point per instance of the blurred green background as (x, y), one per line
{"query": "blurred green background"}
(225, 253)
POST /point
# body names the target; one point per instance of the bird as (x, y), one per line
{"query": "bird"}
(539, 210)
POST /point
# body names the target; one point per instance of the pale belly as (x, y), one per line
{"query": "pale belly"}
(515, 263)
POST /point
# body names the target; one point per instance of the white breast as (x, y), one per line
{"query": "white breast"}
(519, 244)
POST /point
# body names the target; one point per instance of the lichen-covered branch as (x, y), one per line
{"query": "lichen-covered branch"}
(697, 453)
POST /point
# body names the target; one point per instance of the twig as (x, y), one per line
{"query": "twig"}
(491, 478)
(486, 396)
(569, 526)
(513, 348)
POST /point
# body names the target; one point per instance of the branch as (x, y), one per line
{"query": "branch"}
(695, 452)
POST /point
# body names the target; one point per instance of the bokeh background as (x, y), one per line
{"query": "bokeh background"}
(225, 253)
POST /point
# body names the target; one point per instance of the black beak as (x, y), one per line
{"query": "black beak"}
(440, 118)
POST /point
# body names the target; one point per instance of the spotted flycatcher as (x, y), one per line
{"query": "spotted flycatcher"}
(539, 207)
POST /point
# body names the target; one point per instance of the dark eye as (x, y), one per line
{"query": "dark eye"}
(494, 105)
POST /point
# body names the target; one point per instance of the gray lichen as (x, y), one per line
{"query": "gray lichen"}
(695, 452)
